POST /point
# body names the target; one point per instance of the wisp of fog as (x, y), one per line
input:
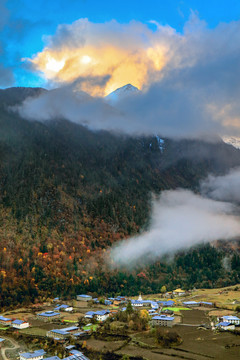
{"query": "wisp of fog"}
(180, 219)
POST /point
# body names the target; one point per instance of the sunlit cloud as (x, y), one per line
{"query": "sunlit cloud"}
(189, 81)
(129, 53)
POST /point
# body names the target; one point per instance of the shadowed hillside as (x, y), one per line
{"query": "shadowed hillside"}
(67, 193)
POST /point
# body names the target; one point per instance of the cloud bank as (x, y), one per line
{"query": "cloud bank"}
(189, 80)
(180, 219)
(223, 188)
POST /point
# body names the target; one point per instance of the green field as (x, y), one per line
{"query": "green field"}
(70, 321)
(91, 327)
(176, 309)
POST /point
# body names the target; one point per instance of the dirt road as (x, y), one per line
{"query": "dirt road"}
(4, 349)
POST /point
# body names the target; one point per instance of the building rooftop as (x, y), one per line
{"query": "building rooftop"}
(48, 313)
(70, 347)
(190, 302)
(163, 317)
(18, 322)
(90, 313)
(224, 323)
(30, 355)
(80, 356)
(166, 303)
(231, 317)
(5, 319)
(206, 302)
(101, 312)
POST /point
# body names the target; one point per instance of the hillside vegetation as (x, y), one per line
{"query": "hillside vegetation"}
(68, 193)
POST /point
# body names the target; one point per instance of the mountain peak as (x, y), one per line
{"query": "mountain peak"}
(121, 93)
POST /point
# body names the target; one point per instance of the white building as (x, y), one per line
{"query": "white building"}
(231, 319)
(20, 324)
(137, 303)
(179, 292)
(64, 308)
(101, 315)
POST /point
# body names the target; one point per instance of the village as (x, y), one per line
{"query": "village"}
(90, 327)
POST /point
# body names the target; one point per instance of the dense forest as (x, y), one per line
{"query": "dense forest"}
(68, 193)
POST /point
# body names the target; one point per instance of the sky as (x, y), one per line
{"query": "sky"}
(25, 27)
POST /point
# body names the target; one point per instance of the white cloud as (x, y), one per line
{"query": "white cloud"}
(223, 188)
(190, 80)
(180, 219)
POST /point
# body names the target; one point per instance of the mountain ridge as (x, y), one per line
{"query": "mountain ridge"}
(69, 193)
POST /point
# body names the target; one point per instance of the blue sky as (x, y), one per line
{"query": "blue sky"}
(25, 24)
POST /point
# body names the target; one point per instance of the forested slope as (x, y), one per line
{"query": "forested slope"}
(68, 193)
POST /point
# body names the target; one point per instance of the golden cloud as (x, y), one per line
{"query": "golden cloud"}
(129, 53)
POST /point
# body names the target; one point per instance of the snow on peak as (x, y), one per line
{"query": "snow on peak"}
(121, 92)
(232, 140)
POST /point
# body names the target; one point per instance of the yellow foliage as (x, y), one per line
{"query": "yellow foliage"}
(88, 251)
(144, 313)
(90, 277)
(39, 254)
(3, 272)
